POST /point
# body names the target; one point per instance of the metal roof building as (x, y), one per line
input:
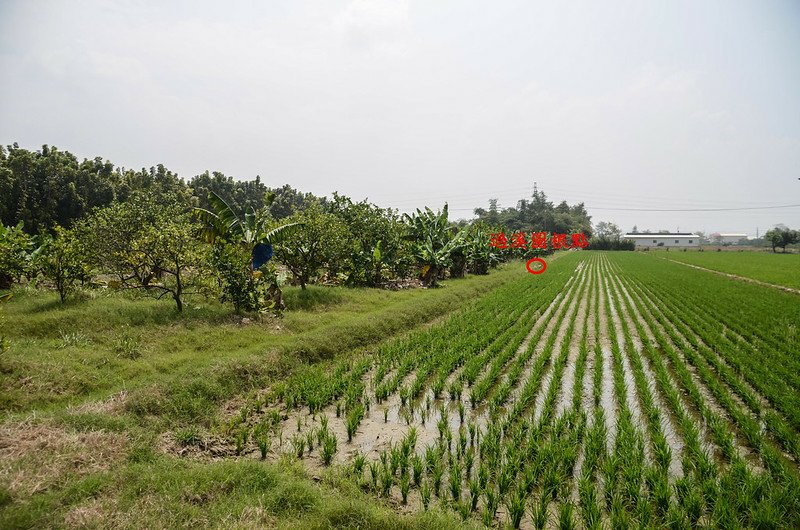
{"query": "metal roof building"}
(678, 239)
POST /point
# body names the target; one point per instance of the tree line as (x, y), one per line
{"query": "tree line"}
(70, 223)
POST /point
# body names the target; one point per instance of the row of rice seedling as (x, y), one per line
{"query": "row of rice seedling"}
(757, 322)
(744, 422)
(656, 421)
(779, 467)
(689, 507)
(486, 325)
(711, 345)
(656, 478)
(623, 470)
(526, 397)
(595, 446)
(534, 459)
(718, 426)
(716, 382)
(487, 383)
(420, 356)
(720, 493)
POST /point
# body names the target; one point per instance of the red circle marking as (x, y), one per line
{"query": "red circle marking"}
(539, 260)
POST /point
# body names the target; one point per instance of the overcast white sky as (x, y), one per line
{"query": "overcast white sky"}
(679, 104)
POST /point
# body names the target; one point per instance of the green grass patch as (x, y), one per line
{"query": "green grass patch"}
(184, 363)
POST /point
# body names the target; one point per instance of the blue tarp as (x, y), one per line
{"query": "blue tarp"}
(262, 253)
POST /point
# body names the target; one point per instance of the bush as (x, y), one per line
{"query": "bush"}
(61, 259)
(148, 245)
(247, 290)
(607, 243)
(15, 248)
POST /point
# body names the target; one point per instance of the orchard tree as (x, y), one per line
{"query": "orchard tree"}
(284, 201)
(376, 245)
(15, 250)
(434, 242)
(480, 255)
(234, 240)
(61, 258)
(148, 246)
(321, 240)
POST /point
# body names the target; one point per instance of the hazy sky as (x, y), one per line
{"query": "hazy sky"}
(654, 105)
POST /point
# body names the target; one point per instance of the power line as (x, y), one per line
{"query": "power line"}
(677, 209)
(696, 209)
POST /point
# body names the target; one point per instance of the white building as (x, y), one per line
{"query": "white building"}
(682, 239)
(727, 239)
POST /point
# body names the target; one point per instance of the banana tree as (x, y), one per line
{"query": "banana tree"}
(249, 231)
(435, 241)
(241, 248)
(480, 255)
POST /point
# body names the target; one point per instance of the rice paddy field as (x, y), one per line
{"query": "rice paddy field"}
(617, 390)
(774, 268)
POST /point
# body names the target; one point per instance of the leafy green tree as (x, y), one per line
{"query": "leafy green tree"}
(434, 242)
(15, 250)
(61, 259)
(538, 214)
(241, 195)
(286, 200)
(233, 239)
(376, 241)
(321, 240)
(159, 183)
(607, 230)
(220, 223)
(782, 236)
(51, 187)
(148, 246)
(237, 283)
(480, 255)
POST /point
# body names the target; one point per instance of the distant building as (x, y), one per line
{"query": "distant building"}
(727, 239)
(682, 239)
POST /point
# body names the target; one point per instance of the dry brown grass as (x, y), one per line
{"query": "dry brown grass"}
(36, 456)
(93, 514)
(115, 404)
